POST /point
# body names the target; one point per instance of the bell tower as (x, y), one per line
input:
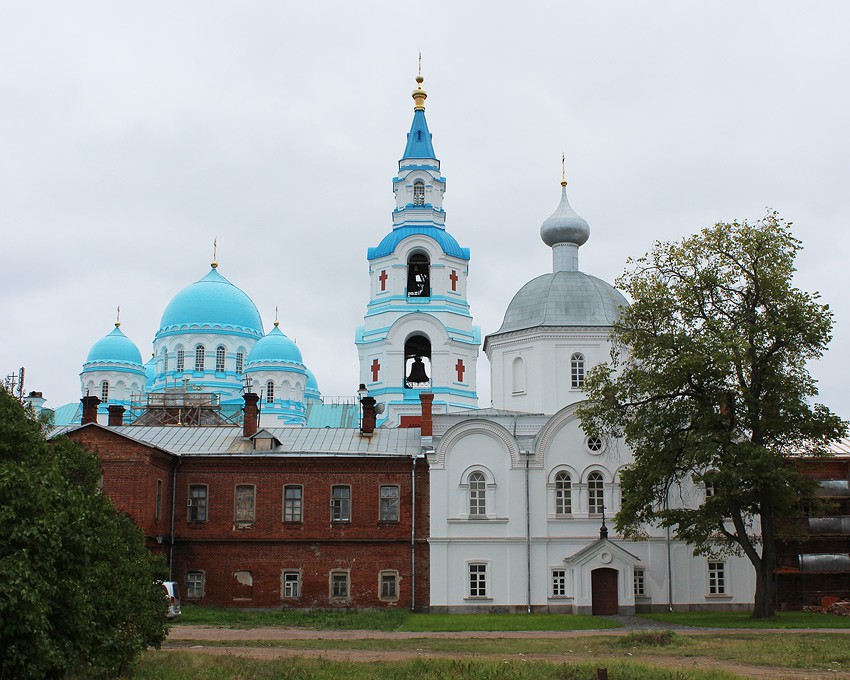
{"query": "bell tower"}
(417, 334)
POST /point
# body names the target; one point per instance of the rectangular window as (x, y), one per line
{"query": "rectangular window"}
(640, 583)
(389, 585)
(194, 585)
(158, 500)
(245, 503)
(339, 585)
(716, 578)
(198, 503)
(477, 579)
(292, 503)
(341, 504)
(291, 583)
(389, 504)
(559, 583)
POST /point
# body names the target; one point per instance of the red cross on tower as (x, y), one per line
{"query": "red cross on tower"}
(383, 279)
(453, 277)
(460, 368)
(375, 367)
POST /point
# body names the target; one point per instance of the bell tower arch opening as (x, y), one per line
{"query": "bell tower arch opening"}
(417, 363)
(418, 275)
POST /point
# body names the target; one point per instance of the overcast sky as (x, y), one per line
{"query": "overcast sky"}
(133, 134)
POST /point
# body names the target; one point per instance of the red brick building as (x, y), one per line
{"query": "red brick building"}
(290, 516)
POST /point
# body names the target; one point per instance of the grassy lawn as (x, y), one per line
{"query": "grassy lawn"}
(386, 620)
(181, 665)
(824, 651)
(743, 620)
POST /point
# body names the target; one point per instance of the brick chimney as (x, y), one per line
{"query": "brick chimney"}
(251, 421)
(367, 424)
(427, 400)
(116, 415)
(90, 405)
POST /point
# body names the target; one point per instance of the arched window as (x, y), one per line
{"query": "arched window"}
(595, 493)
(269, 392)
(563, 494)
(577, 370)
(419, 192)
(518, 374)
(417, 363)
(104, 391)
(181, 360)
(240, 361)
(418, 276)
(199, 358)
(165, 361)
(220, 355)
(477, 495)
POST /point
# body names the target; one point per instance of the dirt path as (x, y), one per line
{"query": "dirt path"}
(191, 638)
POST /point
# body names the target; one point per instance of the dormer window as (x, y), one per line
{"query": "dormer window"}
(419, 192)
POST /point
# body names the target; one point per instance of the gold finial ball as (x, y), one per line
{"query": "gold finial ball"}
(420, 79)
(214, 264)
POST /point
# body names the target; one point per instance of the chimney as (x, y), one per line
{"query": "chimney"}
(427, 400)
(367, 424)
(90, 405)
(251, 421)
(116, 415)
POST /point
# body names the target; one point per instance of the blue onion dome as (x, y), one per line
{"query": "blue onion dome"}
(274, 348)
(564, 226)
(212, 302)
(563, 298)
(115, 348)
(311, 391)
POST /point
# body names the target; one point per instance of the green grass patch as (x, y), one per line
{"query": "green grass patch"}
(744, 620)
(385, 620)
(418, 623)
(181, 665)
(650, 638)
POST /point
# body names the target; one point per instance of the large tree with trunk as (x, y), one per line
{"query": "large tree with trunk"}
(708, 384)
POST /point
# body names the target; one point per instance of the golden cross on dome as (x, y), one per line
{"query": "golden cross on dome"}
(276, 322)
(215, 253)
(563, 169)
(118, 317)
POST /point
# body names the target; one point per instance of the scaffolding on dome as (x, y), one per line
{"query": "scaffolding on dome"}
(177, 406)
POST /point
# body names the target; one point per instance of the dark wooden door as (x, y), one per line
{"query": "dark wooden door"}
(603, 589)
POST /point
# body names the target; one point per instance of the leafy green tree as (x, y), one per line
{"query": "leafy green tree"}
(78, 591)
(708, 384)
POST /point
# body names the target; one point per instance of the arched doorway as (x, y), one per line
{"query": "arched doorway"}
(603, 589)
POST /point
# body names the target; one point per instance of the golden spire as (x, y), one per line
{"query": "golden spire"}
(419, 95)
(118, 317)
(563, 170)
(276, 322)
(214, 263)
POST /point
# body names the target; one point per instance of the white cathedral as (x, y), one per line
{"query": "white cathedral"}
(518, 492)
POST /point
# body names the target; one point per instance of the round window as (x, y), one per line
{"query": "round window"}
(594, 443)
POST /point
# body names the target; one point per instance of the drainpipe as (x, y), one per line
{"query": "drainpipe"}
(527, 536)
(669, 562)
(413, 532)
(173, 509)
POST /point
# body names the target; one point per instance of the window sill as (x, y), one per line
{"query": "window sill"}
(388, 521)
(478, 598)
(475, 520)
(724, 596)
(561, 598)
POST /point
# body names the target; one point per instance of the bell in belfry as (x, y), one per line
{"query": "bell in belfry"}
(417, 372)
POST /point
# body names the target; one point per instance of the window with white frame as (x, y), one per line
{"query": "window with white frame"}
(197, 510)
(419, 192)
(292, 503)
(291, 583)
(388, 511)
(518, 375)
(104, 391)
(388, 585)
(240, 361)
(577, 370)
(181, 360)
(339, 585)
(194, 585)
(563, 493)
(559, 583)
(200, 353)
(165, 361)
(245, 503)
(640, 583)
(477, 495)
(595, 493)
(341, 503)
(220, 356)
(594, 443)
(716, 578)
(270, 392)
(477, 579)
